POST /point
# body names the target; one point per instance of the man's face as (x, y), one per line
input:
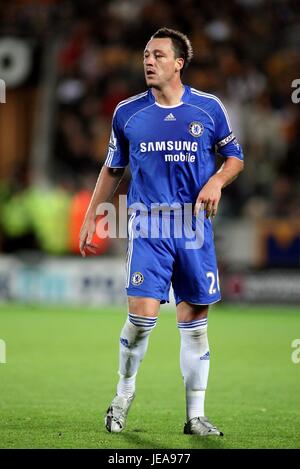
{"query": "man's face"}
(160, 64)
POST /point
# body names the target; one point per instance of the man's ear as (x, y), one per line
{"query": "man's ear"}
(179, 64)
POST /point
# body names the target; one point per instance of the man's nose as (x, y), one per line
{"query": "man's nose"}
(148, 60)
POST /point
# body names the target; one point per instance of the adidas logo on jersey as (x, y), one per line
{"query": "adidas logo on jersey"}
(170, 117)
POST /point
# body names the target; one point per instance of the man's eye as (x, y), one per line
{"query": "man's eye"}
(158, 56)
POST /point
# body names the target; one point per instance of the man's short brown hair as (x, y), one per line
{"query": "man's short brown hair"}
(181, 44)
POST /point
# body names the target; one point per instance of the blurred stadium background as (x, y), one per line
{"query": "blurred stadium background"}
(66, 64)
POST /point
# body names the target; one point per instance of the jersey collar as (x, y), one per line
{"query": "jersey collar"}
(185, 97)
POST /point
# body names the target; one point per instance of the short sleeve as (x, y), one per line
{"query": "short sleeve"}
(225, 140)
(118, 149)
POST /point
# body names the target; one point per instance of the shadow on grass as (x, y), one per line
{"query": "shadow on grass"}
(136, 438)
(205, 442)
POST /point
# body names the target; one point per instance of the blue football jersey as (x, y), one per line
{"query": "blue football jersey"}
(171, 150)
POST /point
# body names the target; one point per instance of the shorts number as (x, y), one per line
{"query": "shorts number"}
(212, 288)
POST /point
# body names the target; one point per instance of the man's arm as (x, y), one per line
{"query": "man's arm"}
(209, 196)
(107, 183)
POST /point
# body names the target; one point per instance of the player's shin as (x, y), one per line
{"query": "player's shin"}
(133, 346)
(194, 363)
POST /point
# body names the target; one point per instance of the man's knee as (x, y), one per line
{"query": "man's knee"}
(187, 312)
(141, 306)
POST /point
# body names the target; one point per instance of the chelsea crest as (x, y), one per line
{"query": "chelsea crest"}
(137, 278)
(196, 128)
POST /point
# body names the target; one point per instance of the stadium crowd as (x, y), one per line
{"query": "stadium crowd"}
(237, 57)
(245, 51)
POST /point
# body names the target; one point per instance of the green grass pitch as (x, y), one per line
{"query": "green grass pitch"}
(61, 374)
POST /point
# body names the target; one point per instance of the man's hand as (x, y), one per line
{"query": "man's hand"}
(86, 235)
(209, 197)
(107, 183)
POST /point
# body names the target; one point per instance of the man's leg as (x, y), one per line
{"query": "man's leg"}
(142, 317)
(194, 363)
(194, 355)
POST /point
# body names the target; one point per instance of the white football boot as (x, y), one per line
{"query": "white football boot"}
(116, 414)
(201, 426)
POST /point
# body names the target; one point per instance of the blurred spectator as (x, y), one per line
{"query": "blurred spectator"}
(245, 51)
